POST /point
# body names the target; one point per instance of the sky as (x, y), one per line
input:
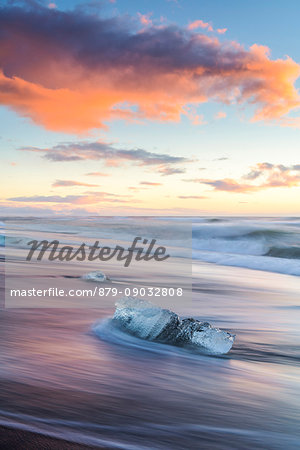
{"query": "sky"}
(175, 107)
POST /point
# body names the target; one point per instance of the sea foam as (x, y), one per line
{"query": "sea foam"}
(147, 321)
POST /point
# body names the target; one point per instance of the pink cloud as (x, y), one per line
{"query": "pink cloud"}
(198, 119)
(200, 24)
(229, 185)
(145, 19)
(265, 176)
(136, 188)
(275, 175)
(85, 199)
(166, 170)
(69, 183)
(149, 183)
(192, 197)
(97, 174)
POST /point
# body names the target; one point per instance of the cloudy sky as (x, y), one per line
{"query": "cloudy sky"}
(150, 107)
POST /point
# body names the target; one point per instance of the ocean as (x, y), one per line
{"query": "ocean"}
(67, 371)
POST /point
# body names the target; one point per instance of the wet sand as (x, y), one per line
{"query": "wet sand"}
(15, 439)
(57, 377)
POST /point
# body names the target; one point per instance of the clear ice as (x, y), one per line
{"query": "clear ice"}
(147, 321)
(97, 276)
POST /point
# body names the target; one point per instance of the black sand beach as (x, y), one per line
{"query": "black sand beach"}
(61, 379)
(16, 439)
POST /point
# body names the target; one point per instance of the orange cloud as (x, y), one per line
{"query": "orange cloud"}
(145, 19)
(79, 71)
(221, 30)
(220, 115)
(97, 174)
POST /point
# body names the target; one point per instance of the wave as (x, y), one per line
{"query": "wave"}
(269, 245)
(146, 321)
(266, 233)
(284, 252)
(76, 432)
(17, 241)
(87, 433)
(265, 263)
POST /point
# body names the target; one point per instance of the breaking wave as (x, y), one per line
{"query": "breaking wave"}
(261, 244)
(281, 252)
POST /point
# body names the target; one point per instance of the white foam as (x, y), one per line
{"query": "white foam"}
(265, 263)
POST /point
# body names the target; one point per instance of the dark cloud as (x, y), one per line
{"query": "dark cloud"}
(149, 183)
(97, 42)
(102, 151)
(229, 185)
(113, 157)
(67, 183)
(223, 158)
(252, 175)
(166, 171)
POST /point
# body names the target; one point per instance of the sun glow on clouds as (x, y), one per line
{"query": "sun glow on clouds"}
(220, 115)
(75, 73)
(205, 26)
(145, 19)
(69, 72)
(200, 24)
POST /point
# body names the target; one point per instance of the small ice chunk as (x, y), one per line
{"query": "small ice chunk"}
(97, 276)
(147, 321)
